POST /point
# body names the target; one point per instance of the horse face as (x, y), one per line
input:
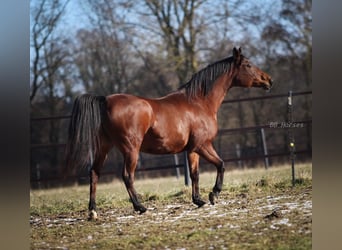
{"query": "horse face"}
(248, 75)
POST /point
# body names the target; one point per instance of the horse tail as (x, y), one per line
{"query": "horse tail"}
(85, 129)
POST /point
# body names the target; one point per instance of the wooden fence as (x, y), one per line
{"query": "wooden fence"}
(179, 162)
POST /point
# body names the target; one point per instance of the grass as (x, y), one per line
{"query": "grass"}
(257, 209)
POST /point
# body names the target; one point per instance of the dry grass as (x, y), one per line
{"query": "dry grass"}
(257, 209)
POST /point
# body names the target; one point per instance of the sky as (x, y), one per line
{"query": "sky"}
(75, 15)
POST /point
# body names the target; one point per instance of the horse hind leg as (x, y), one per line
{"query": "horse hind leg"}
(94, 174)
(194, 175)
(131, 160)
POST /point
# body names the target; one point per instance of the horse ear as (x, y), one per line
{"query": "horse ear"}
(236, 55)
(235, 52)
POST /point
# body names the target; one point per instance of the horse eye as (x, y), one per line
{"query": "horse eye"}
(248, 65)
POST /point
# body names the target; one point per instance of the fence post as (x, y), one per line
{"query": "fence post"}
(290, 135)
(186, 169)
(175, 157)
(264, 147)
(238, 154)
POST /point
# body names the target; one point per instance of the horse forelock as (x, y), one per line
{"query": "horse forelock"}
(202, 82)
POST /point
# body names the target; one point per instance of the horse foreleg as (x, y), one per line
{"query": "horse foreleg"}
(194, 175)
(208, 152)
(131, 160)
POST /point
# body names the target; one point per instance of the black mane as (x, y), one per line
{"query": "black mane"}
(202, 82)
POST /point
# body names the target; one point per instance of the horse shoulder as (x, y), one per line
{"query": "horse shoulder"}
(204, 124)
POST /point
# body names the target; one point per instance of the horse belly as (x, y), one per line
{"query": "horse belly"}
(166, 141)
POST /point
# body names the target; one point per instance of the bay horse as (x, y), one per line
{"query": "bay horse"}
(184, 120)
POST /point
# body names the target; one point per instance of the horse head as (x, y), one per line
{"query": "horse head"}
(247, 74)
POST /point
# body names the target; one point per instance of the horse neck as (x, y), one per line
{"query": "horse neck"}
(219, 91)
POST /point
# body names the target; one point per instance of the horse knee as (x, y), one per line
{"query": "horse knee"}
(128, 180)
(220, 167)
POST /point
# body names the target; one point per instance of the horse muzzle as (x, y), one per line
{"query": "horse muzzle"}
(268, 86)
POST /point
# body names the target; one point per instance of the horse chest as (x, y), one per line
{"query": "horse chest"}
(205, 127)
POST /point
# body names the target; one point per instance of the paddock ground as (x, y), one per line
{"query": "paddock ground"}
(257, 209)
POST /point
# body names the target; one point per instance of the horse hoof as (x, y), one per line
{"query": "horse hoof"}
(92, 215)
(212, 198)
(199, 202)
(140, 209)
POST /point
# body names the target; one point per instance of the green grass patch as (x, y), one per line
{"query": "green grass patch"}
(257, 209)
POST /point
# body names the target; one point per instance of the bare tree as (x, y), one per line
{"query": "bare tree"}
(103, 57)
(45, 16)
(48, 59)
(192, 33)
(290, 35)
(169, 37)
(176, 22)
